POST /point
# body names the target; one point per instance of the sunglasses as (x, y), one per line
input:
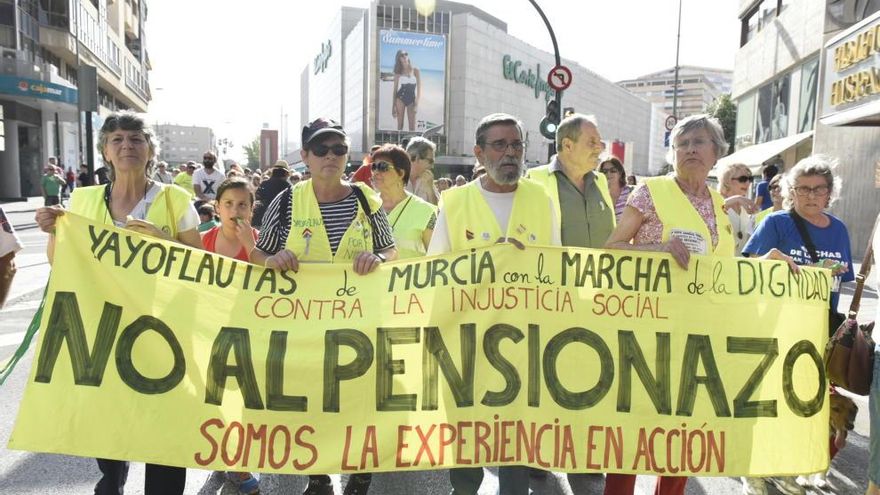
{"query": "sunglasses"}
(743, 179)
(322, 149)
(381, 166)
(609, 170)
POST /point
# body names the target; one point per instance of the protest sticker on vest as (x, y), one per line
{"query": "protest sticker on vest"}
(564, 359)
(693, 241)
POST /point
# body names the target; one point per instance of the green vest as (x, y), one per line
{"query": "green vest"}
(676, 212)
(542, 175)
(408, 220)
(471, 223)
(308, 238)
(168, 207)
(185, 181)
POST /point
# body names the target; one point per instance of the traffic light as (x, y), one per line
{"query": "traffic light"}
(551, 120)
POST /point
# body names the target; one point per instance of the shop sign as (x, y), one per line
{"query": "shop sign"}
(852, 67)
(513, 71)
(322, 58)
(21, 86)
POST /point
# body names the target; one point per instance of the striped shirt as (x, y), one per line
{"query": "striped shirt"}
(337, 217)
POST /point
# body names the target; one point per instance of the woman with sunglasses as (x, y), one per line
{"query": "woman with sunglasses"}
(617, 186)
(774, 189)
(412, 218)
(734, 180)
(347, 223)
(407, 90)
(412, 221)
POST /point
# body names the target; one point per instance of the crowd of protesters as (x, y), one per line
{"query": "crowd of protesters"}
(393, 207)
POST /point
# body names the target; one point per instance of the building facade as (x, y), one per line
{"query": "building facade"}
(698, 87)
(43, 47)
(783, 80)
(469, 67)
(181, 143)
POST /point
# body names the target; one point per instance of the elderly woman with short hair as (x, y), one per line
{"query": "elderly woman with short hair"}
(733, 181)
(808, 190)
(679, 215)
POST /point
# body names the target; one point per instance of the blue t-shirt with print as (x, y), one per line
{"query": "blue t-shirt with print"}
(763, 190)
(779, 231)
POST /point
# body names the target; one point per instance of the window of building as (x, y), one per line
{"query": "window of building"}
(808, 98)
(760, 16)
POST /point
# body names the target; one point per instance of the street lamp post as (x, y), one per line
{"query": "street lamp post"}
(677, 46)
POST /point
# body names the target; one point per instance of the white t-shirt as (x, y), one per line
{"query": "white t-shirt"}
(501, 205)
(9, 241)
(189, 220)
(208, 182)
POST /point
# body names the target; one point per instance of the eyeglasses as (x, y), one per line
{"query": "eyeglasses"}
(502, 145)
(743, 179)
(774, 188)
(815, 191)
(687, 143)
(322, 149)
(608, 170)
(381, 166)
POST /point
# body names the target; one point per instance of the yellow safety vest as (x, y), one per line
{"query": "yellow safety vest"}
(185, 181)
(308, 238)
(471, 223)
(169, 206)
(761, 215)
(542, 175)
(408, 221)
(675, 211)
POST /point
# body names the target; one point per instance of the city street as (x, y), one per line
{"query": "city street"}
(34, 473)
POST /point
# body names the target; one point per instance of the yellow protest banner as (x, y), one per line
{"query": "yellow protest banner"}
(565, 359)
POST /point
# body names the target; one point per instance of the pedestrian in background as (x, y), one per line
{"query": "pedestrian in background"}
(619, 190)
(270, 188)
(421, 181)
(762, 191)
(50, 185)
(185, 178)
(734, 180)
(162, 175)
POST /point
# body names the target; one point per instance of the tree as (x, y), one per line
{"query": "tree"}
(724, 110)
(252, 152)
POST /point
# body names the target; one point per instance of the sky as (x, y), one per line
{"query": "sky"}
(235, 65)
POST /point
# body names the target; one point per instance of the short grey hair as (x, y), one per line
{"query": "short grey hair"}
(815, 165)
(418, 147)
(725, 172)
(570, 127)
(693, 123)
(127, 121)
(492, 120)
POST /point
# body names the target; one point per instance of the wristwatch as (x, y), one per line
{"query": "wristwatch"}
(382, 258)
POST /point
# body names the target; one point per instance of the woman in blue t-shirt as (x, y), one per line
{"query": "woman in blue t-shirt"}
(808, 189)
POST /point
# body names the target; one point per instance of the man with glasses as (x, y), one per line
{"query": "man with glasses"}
(206, 180)
(421, 181)
(500, 206)
(580, 194)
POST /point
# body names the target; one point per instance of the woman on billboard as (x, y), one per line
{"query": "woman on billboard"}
(407, 90)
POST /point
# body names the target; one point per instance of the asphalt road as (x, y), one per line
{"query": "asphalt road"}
(28, 473)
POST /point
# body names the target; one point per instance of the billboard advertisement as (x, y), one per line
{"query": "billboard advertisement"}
(412, 81)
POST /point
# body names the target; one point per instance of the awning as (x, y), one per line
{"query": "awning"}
(754, 156)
